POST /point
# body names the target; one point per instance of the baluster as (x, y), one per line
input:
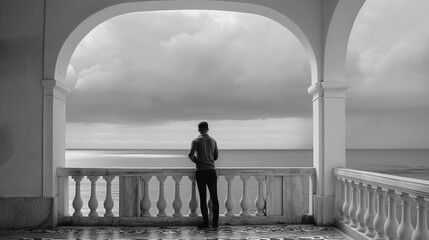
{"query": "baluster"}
(260, 200)
(193, 202)
(391, 225)
(77, 201)
(145, 204)
(108, 202)
(421, 232)
(93, 202)
(161, 204)
(370, 213)
(244, 202)
(380, 218)
(405, 230)
(177, 203)
(354, 205)
(360, 214)
(341, 199)
(346, 205)
(229, 200)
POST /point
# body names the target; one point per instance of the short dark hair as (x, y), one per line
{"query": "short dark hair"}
(203, 126)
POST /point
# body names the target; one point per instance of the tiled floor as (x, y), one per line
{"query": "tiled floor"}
(271, 232)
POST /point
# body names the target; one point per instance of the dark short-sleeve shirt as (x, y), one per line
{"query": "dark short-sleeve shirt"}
(204, 152)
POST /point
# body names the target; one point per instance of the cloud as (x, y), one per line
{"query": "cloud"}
(174, 65)
(155, 73)
(389, 64)
(387, 68)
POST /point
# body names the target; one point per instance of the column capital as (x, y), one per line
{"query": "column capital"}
(52, 83)
(52, 87)
(333, 89)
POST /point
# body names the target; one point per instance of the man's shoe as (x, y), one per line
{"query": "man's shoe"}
(203, 225)
(215, 225)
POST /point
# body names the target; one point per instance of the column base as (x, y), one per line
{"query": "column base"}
(27, 212)
(324, 210)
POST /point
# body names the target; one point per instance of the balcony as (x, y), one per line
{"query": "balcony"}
(369, 205)
(273, 203)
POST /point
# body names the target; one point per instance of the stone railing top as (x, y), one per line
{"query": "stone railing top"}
(412, 186)
(63, 172)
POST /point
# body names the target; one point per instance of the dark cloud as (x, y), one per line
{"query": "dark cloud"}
(175, 66)
(387, 103)
(158, 67)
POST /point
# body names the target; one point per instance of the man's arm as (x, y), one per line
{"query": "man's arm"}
(216, 153)
(191, 154)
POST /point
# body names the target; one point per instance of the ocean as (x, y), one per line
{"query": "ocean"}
(403, 162)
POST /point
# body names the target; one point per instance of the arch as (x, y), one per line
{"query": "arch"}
(322, 27)
(95, 19)
(337, 38)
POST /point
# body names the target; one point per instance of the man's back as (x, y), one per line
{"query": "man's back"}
(206, 151)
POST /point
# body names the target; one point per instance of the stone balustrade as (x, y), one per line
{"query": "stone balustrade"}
(280, 196)
(361, 205)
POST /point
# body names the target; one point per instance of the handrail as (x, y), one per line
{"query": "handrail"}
(412, 186)
(268, 171)
(361, 204)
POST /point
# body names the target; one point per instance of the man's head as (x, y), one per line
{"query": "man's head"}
(203, 127)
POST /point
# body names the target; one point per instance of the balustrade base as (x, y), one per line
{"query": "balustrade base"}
(174, 221)
(351, 232)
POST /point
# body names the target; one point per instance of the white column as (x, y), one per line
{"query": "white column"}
(193, 202)
(360, 214)
(177, 203)
(391, 225)
(328, 144)
(370, 213)
(108, 202)
(145, 203)
(244, 202)
(162, 203)
(54, 132)
(421, 232)
(229, 200)
(405, 230)
(260, 200)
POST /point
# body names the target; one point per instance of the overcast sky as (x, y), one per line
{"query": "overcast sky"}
(145, 80)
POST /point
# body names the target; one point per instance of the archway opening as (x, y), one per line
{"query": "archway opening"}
(235, 70)
(147, 89)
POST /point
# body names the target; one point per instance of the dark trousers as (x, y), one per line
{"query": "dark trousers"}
(208, 178)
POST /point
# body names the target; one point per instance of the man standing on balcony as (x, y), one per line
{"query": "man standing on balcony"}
(203, 153)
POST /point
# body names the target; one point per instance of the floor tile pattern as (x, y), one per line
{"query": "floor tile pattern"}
(259, 232)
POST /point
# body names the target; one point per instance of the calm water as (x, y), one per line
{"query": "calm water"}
(400, 162)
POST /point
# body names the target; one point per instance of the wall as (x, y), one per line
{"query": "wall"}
(21, 108)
